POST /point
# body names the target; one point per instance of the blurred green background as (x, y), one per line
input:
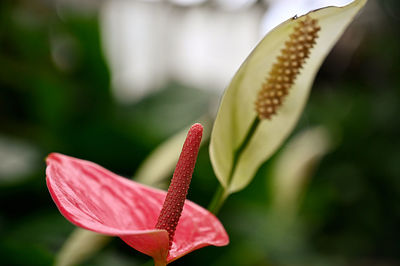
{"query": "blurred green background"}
(56, 96)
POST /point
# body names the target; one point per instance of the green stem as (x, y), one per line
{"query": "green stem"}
(218, 200)
(222, 193)
(239, 151)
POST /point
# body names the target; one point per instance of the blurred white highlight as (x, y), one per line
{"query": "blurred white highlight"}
(209, 45)
(148, 44)
(187, 2)
(235, 4)
(281, 10)
(18, 159)
(134, 46)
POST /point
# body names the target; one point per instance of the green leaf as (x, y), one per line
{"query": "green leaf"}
(162, 161)
(237, 113)
(80, 245)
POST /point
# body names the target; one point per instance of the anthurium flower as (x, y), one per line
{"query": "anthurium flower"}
(82, 244)
(159, 224)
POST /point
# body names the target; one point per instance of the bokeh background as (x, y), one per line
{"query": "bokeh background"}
(108, 81)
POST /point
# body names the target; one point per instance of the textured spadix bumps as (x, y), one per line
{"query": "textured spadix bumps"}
(177, 191)
(287, 67)
(94, 198)
(278, 97)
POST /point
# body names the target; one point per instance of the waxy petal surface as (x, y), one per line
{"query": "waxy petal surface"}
(96, 199)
